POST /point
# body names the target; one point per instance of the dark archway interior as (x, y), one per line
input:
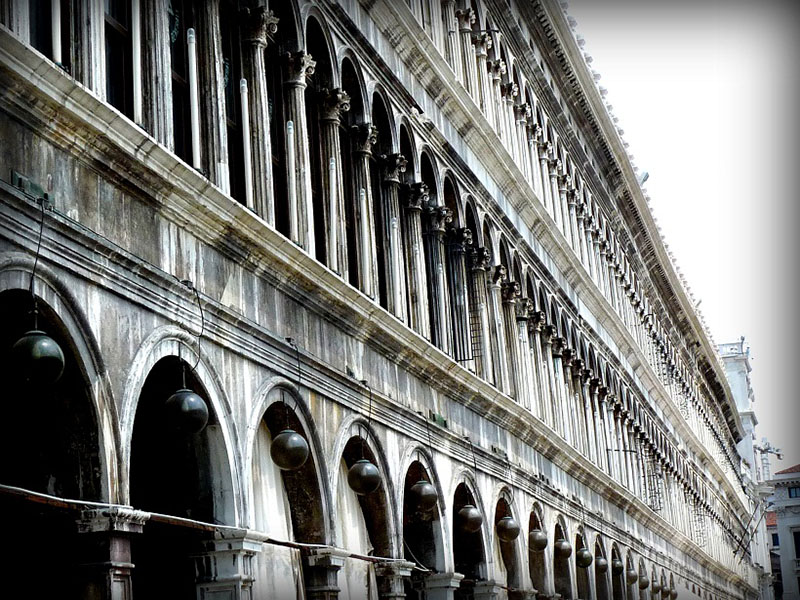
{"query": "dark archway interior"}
(600, 579)
(561, 575)
(536, 559)
(49, 443)
(380, 205)
(374, 506)
(582, 575)
(352, 86)
(468, 553)
(617, 581)
(170, 474)
(419, 531)
(508, 552)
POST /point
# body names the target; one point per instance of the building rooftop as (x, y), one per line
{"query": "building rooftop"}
(794, 469)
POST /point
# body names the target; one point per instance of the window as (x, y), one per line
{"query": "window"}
(794, 492)
(181, 18)
(796, 535)
(50, 30)
(775, 541)
(119, 53)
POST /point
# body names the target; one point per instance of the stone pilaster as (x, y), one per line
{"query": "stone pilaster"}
(439, 217)
(469, 72)
(334, 103)
(225, 567)
(105, 551)
(416, 196)
(299, 66)
(394, 257)
(258, 25)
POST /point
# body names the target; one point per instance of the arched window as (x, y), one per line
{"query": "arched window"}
(381, 208)
(352, 86)
(459, 245)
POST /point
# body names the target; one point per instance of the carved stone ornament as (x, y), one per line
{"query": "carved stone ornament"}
(522, 112)
(509, 90)
(440, 217)
(523, 309)
(499, 274)
(334, 103)
(481, 259)
(511, 291)
(482, 43)
(393, 165)
(498, 68)
(416, 195)
(466, 18)
(300, 66)
(461, 237)
(259, 25)
(365, 136)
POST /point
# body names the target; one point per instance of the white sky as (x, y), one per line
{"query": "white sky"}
(704, 91)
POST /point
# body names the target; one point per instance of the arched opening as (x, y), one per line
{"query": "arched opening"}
(562, 550)
(178, 474)
(631, 578)
(230, 36)
(459, 245)
(362, 523)
(537, 546)
(617, 574)
(422, 529)
(351, 85)
(600, 572)
(435, 264)
(414, 296)
(275, 62)
(318, 85)
(476, 297)
(468, 552)
(584, 589)
(644, 582)
(507, 547)
(50, 444)
(287, 504)
(381, 209)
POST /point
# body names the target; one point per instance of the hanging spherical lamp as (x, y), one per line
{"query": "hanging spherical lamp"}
(656, 588)
(507, 529)
(363, 477)
(470, 518)
(186, 411)
(583, 558)
(423, 495)
(37, 358)
(537, 540)
(601, 564)
(289, 450)
(563, 548)
(644, 582)
(673, 594)
(631, 576)
(617, 567)
(665, 591)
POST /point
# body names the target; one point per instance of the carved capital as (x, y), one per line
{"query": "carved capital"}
(259, 25)
(509, 90)
(119, 519)
(481, 259)
(299, 66)
(523, 309)
(364, 136)
(499, 274)
(393, 165)
(498, 68)
(416, 196)
(522, 112)
(334, 103)
(461, 238)
(511, 291)
(466, 18)
(439, 218)
(482, 43)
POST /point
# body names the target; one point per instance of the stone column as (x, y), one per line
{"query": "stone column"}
(607, 408)
(225, 568)
(439, 217)
(510, 91)
(511, 294)
(540, 393)
(483, 42)
(469, 73)
(544, 170)
(459, 242)
(299, 66)
(105, 550)
(580, 212)
(452, 50)
(213, 129)
(619, 446)
(572, 196)
(334, 103)
(498, 69)
(522, 113)
(599, 412)
(496, 324)
(570, 402)
(364, 136)
(91, 60)
(322, 582)
(394, 256)
(480, 261)
(626, 444)
(554, 166)
(564, 184)
(157, 72)
(548, 334)
(15, 14)
(590, 415)
(441, 586)
(524, 380)
(258, 25)
(390, 576)
(534, 135)
(557, 348)
(416, 196)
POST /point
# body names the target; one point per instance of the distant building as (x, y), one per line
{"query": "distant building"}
(774, 553)
(787, 512)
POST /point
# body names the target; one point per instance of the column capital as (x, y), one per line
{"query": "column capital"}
(524, 308)
(439, 581)
(461, 237)
(440, 217)
(416, 195)
(466, 18)
(329, 558)
(499, 275)
(117, 519)
(481, 259)
(511, 292)
(395, 568)
(259, 25)
(365, 135)
(482, 43)
(487, 590)
(522, 112)
(300, 65)
(509, 90)
(393, 165)
(498, 68)
(545, 149)
(334, 103)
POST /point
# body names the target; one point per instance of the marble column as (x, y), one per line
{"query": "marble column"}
(557, 349)
(334, 103)
(469, 72)
(452, 51)
(484, 365)
(258, 25)
(498, 278)
(599, 414)
(364, 136)
(554, 166)
(104, 548)
(224, 569)
(483, 42)
(607, 408)
(522, 113)
(572, 196)
(541, 393)
(544, 170)
(439, 217)
(394, 256)
(564, 184)
(459, 243)
(509, 92)
(557, 423)
(497, 69)
(157, 72)
(299, 66)
(524, 381)
(441, 586)
(590, 415)
(511, 294)
(416, 197)
(534, 136)
(573, 417)
(15, 15)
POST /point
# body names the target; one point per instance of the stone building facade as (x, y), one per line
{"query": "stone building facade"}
(787, 529)
(408, 232)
